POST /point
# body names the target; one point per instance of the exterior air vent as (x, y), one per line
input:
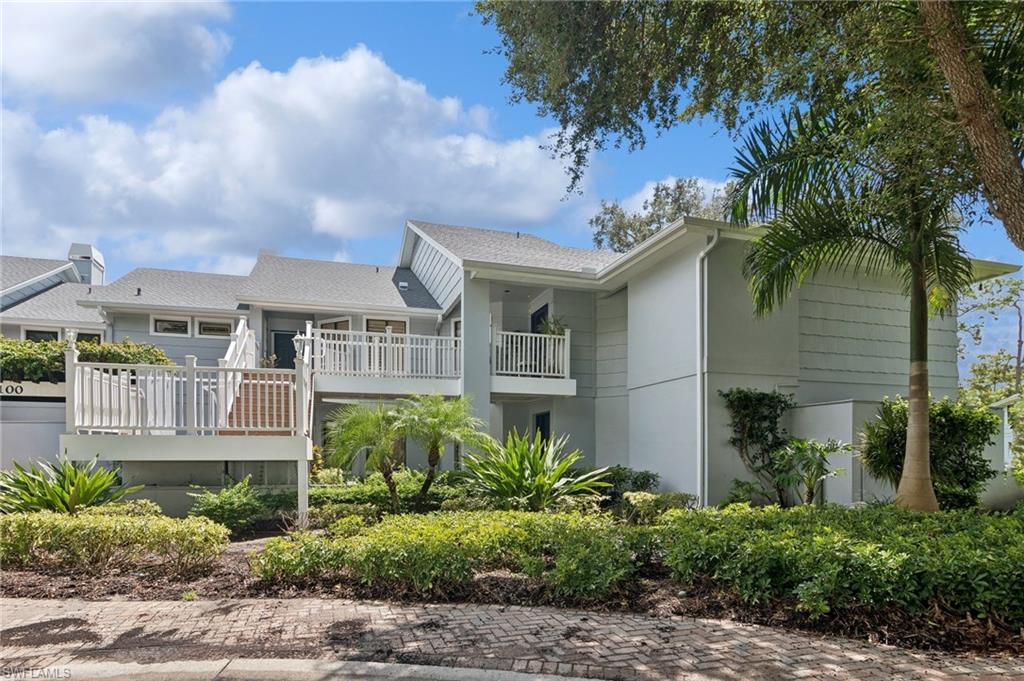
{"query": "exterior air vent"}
(403, 286)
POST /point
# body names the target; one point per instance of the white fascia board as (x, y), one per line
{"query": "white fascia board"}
(28, 282)
(344, 308)
(109, 307)
(444, 251)
(50, 323)
(982, 270)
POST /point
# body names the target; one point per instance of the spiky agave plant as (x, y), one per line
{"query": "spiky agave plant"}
(530, 474)
(63, 487)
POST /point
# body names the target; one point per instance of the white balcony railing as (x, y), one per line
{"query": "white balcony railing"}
(530, 355)
(150, 399)
(386, 355)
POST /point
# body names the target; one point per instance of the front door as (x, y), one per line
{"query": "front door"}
(284, 349)
(542, 425)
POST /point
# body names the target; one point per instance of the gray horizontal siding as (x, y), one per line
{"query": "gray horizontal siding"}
(437, 273)
(612, 346)
(136, 327)
(856, 331)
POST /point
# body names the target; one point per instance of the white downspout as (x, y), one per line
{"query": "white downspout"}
(702, 364)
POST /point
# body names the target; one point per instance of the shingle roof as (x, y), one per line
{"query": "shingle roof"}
(512, 248)
(320, 282)
(16, 269)
(58, 304)
(171, 289)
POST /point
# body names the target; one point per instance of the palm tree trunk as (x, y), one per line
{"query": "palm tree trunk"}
(915, 490)
(389, 480)
(433, 459)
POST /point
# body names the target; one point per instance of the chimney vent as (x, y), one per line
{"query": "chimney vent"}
(517, 235)
(138, 291)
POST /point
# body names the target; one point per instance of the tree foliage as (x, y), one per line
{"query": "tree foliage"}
(758, 436)
(620, 229)
(611, 72)
(357, 429)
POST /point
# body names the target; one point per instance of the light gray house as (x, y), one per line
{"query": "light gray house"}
(650, 338)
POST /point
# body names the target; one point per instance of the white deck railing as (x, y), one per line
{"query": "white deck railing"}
(399, 355)
(241, 354)
(531, 355)
(145, 399)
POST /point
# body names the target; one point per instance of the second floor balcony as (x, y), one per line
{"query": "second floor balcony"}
(394, 363)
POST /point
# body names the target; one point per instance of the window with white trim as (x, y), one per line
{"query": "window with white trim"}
(380, 325)
(213, 328)
(89, 338)
(40, 335)
(170, 326)
(341, 324)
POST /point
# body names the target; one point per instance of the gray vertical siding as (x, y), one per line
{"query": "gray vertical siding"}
(436, 271)
(611, 408)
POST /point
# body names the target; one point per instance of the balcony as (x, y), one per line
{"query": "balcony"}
(386, 363)
(531, 364)
(360, 362)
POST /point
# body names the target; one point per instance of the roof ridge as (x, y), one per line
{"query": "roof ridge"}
(329, 262)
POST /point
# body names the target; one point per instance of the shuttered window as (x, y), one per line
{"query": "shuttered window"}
(380, 325)
(340, 325)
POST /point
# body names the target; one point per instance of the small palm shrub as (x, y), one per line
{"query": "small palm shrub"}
(238, 507)
(63, 487)
(530, 474)
(373, 491)
(958, 434)
(97, 543)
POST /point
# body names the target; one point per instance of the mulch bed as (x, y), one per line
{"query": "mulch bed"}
(651, 593)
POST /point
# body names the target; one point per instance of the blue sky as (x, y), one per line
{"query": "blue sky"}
(191, 136)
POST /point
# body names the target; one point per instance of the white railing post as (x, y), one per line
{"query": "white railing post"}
(300, 387)
(565, 361)
(222, 393)
(70, 376)
(190, 393)
(389, 359)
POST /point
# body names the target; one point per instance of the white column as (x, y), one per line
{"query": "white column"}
(70, 377)
(303, 484)
(476, 351)
(301, 390)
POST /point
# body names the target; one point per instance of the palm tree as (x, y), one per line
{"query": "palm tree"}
(356, 428)
(432, 422)
(830, 200)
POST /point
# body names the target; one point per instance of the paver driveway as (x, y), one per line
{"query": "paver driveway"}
(39, 634)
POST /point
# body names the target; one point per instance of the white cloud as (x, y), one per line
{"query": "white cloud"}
(329, 151)
(101, 51)
(635, 202)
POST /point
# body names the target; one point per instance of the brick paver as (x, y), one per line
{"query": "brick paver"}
(43, 633)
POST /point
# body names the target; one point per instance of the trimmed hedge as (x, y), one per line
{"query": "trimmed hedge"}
(39, 361)
(831, 559)
(578, 557)
(98, 542)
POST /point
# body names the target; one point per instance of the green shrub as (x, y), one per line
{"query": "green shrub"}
(238, 507)
(62, 487)
(373, 491)
(44, 361)
(577, 557)
(347, 526)
(1017, 467)
(133, 507)
(300, 555)
(97, 543)
(530, 474)
(469, 504)
(622, 479)
(645, 508)
(835, 559)
(958, 433)
(324, 516)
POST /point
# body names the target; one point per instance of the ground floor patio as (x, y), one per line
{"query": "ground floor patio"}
(60, 634)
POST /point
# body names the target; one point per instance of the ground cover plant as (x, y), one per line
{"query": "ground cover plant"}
(97, 543)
